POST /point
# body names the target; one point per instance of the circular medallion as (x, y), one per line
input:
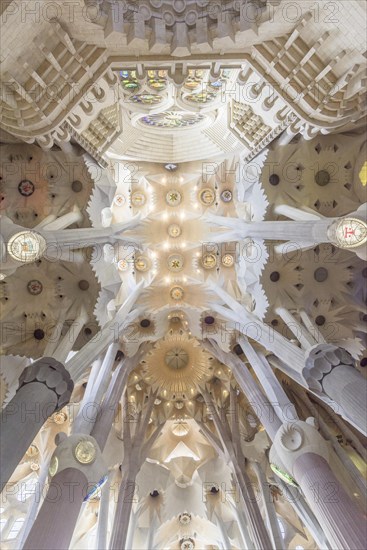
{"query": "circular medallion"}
(123, 265)
(142, 263)
(138, 199)
(54, 464)
(173, 197)
(209, 261)
(34, 287)
(26, 246)
(226, 195)
(35, 466)
(177, 293)
(291, 437)
(227, 260)
(184, 518)
(351, 232)
(176, 358)
(26, 188)
(322, 178)
(174, 230)
(207, 196)
(187, 544)
(119, 200)
(175, 262)
(59, 417)
(85, 452)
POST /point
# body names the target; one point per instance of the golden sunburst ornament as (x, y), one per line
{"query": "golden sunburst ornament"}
(177, 365)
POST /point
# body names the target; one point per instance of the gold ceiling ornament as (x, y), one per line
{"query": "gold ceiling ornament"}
(173, 197)
(85, 452)
(142, 263)
(177, 293)
(26, 246)
(177, 365)
(207, 196)
(177, 358)
(59, 417)
(175, 262)
(228, 260)
(174, 230)
(138, 199)
(209, 261)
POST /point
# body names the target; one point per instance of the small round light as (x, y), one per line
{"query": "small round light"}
(174, 230)
(119, 200)
(85, 452)
(122, 265)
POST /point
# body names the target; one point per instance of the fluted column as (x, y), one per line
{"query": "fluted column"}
(343, 522)
(301, 452)
(346, 386)
(44, 387)
(76, 467)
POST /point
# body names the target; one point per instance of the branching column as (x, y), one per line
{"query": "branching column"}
(258, 532)
(135, 453)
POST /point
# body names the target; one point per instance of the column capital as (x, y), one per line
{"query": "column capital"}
(79, 452)
(293, 440)
(320, 360)
(51, 373)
